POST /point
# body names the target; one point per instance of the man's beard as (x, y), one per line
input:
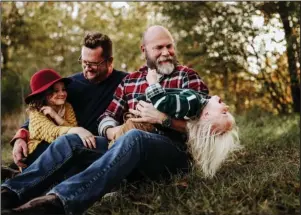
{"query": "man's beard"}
(163, 69)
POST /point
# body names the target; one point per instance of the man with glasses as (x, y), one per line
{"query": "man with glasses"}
(90, 92)
(135, 155)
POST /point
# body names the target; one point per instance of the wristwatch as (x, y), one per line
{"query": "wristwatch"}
(166, 123)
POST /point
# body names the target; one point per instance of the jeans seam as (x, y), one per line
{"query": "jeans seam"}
(45, 176)
(98, 175)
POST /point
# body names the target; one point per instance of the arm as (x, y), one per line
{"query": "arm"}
(112, 117)
(176, 102)
(47, 110)
(19, 143)
(151, 115)
(70, 118)
(42, 128)
(190, 81)
(22, 133)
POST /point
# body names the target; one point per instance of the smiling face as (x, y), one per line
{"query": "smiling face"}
(95, 67)
(218, 113)
(58, 95)
(158, 48)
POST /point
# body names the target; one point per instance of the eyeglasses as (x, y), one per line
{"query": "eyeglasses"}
(89, 64)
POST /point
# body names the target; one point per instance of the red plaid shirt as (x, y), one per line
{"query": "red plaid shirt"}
(135, 84)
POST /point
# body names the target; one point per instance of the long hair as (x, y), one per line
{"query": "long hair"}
(209, 147)
(39, 100)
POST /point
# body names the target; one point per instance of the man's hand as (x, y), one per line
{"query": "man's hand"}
(148, 113)
(152, 76)
(20, 151)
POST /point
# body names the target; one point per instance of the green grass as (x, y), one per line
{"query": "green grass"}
(263, 178)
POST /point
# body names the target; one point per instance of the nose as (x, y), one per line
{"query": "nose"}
(62, 93)
(165, 51)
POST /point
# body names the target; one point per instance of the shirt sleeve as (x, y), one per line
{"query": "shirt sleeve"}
(70, 118)
(42, 128)
(177, 103)
(113, 114)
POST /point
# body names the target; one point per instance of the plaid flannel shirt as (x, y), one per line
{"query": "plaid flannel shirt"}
(133, 87)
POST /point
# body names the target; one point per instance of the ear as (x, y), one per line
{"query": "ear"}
(110, 60)
(205, 115)
(142, 47)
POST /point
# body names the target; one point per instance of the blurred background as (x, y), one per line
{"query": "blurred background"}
(246, 52)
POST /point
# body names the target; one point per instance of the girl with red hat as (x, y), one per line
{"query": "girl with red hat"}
(50, 116)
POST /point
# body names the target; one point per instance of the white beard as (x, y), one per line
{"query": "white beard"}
(165, 69)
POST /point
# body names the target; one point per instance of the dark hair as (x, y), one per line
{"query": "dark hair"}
(93, 40)
(39, 100)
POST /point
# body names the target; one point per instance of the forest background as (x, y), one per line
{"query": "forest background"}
(246, 52)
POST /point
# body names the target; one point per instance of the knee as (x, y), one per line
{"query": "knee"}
(134, 134)
(134, 137)
(71, 140)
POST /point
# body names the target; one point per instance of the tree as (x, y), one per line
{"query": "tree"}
(289, 13)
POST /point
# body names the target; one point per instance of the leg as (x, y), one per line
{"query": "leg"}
(12, 170)
(52, 165)
(36, 153)
(135, 150)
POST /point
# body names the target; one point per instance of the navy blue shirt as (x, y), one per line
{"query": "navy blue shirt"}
(90, 100)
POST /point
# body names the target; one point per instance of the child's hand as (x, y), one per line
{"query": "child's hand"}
(46, 110)
(152, 77)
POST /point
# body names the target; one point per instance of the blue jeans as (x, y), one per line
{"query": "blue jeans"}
(151, 154)
(63, 157)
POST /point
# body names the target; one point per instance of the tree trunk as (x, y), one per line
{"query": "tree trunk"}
(291, 54)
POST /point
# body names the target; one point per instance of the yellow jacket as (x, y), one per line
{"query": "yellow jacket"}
(42, 128)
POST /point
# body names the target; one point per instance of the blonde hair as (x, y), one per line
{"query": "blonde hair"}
(210, 147)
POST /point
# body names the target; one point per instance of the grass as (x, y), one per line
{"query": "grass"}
(263, 178)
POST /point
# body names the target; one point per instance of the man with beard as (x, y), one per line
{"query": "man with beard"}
(90, 93)
(135, 155)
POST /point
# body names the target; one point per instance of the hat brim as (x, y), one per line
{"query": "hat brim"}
(45, 87)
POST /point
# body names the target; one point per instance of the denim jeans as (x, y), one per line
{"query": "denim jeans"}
(63, 157)
(153, 155)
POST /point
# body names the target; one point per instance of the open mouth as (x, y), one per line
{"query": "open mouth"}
(165, 61)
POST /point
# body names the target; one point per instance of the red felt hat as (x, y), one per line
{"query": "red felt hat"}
(43, 80)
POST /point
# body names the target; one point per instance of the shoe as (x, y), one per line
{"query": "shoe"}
(7, 173)
(9, 199)
(49, 204)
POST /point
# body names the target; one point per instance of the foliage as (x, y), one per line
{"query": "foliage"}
(223, 42)
(219, 40)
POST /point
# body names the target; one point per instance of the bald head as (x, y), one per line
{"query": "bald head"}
(159, 51)
(154, 32)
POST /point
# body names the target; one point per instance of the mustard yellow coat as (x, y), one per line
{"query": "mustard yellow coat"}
(42, 128)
